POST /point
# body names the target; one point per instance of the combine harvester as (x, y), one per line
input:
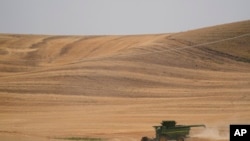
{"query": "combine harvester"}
(170, 131)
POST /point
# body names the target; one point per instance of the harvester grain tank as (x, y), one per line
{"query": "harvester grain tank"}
(168, 130)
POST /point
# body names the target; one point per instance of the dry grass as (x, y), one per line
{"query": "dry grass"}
(118, 87)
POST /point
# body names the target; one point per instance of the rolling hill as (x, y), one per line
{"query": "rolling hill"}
(130, 82)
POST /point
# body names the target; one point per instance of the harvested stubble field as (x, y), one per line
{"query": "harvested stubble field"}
(117, 87)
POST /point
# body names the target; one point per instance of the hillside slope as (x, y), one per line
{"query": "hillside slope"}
(147, 65)
(118, 87)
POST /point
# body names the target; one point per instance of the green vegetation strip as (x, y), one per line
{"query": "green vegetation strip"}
(81, 139)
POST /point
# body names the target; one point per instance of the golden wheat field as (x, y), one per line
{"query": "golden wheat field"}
(116, 88)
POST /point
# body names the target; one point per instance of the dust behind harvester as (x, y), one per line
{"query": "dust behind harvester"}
(168, 130)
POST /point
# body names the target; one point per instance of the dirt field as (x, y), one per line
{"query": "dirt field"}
(117, 87)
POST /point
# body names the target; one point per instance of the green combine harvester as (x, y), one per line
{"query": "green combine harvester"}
(170, 131)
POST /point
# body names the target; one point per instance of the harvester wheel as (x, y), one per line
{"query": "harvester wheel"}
(145, 139)
(180, 139)
(163, 138)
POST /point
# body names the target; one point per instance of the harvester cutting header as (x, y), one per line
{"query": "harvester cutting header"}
(168, 130)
